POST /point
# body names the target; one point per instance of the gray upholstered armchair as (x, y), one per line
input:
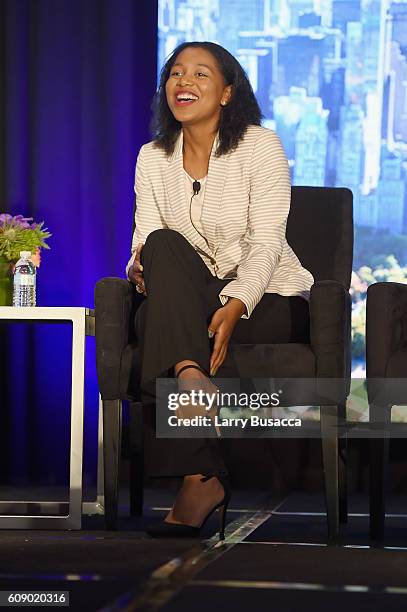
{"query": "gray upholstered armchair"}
(386, 367)
(320, 230)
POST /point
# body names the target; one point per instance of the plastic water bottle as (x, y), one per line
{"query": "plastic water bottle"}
(24, 281)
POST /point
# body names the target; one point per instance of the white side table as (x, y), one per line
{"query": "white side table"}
(83, 323)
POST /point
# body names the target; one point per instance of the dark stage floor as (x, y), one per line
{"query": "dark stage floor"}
(275, 557)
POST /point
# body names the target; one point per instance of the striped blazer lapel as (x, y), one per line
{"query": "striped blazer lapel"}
(175, 187)
(217, 173)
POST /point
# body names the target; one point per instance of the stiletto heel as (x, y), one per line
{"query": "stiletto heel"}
(176, 530)
(222, 521)
(223, 478)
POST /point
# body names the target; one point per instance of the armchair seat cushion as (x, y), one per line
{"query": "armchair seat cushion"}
(291, 361)
(269, 360)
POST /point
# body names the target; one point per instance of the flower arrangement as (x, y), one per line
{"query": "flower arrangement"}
(17, 234)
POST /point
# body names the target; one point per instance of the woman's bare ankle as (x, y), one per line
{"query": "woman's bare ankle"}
(192, 379)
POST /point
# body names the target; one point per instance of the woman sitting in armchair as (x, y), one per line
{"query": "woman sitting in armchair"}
(210, 254)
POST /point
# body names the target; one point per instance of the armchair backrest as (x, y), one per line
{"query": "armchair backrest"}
(320, 231)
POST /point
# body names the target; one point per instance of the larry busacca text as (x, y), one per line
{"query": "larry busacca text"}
(212, 401)
(237, 422)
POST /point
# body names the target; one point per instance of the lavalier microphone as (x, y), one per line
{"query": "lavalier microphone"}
(196, 186)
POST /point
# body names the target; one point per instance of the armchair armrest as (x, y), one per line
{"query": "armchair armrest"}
(330, 329)
(115, 301)
(386, 325)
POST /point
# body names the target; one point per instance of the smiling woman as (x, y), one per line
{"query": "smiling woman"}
(210, 254)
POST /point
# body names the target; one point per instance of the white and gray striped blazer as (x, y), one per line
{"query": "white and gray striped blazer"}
(244, 215)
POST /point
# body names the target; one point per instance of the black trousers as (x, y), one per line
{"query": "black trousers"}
(172, 325)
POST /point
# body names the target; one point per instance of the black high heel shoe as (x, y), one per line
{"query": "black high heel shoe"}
(175, 530)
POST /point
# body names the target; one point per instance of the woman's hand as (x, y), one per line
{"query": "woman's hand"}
(222, 325)
(136, 272)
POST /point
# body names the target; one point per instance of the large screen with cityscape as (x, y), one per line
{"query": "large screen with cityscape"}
(331, 79)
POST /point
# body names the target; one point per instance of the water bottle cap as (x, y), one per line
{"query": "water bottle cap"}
(25, 254)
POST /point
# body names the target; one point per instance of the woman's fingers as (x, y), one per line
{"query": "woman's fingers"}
(221, 328)
(140, 285)
(137, 270)
(219, 360)
(135, 276)
(218, 353)
(138, 280)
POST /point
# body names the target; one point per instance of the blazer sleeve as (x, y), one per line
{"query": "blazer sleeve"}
(147, 215)
(269, 205)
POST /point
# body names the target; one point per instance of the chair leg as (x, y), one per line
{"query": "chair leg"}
(136, 459)
(112, 443)
(342, 467)
(329, 435)
(379, 458)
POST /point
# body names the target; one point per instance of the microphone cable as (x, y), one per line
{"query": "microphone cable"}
(196, 186)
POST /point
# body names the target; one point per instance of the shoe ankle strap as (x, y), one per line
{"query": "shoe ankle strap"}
(191, 365)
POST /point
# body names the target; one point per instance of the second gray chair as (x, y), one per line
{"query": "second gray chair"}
(386, 368)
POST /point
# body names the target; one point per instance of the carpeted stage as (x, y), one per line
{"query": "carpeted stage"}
(275, 556)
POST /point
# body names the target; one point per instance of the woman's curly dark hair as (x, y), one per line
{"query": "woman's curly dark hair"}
(241, 111)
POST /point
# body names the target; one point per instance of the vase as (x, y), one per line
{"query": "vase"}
(6, 282)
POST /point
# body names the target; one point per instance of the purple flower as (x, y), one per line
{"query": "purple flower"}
(16, 220)
(22, 221)
(4, 218)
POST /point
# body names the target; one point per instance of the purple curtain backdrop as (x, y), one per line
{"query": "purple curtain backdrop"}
(77, 81)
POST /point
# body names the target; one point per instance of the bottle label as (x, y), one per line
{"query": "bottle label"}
(26, 280)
